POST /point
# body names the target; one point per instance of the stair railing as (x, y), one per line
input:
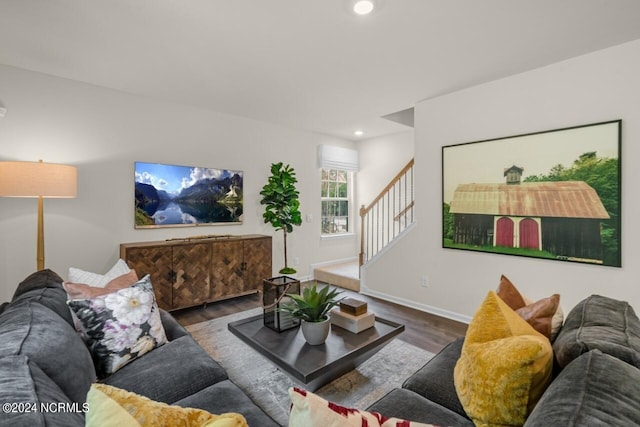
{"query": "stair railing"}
(388, 215)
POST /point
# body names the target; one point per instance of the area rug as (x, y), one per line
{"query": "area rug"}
(267, 385)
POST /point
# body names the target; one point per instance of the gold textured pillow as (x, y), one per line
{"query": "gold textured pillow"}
(113, 407)
(504, 367)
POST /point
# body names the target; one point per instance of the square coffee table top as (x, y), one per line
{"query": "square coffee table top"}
(315, 365)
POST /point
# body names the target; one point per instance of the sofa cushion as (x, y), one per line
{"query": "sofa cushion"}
(225, 396)
(30, 329)
(311, 410)
(504, 367)
(434, 380)
(33, 397)
(45, 287)
(112, 406)
(594, 389)
(169, 373)
(120, 326)
(403, 403)
(602, 323)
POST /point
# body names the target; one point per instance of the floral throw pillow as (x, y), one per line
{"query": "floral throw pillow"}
(120, 326)
(311, 410)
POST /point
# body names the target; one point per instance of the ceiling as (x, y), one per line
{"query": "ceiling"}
(304, 64)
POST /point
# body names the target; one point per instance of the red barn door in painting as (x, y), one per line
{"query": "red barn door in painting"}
(504, 235)
(529, 234)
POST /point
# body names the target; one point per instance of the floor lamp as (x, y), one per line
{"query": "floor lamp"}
(41, 180)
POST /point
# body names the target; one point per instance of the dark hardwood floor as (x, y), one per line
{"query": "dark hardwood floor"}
(424, 330)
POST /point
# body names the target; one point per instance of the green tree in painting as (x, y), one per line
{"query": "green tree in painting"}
(602, 174)
(447, 222)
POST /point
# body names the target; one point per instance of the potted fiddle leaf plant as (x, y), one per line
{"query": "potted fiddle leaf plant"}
(282, 207)
(312, 308)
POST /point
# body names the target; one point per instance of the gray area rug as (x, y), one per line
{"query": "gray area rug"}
(268, 386)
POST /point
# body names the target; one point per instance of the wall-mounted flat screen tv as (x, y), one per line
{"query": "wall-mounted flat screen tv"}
(175, 196)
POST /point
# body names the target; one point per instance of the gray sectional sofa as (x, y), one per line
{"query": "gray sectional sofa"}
(44, 360)
(596, 375)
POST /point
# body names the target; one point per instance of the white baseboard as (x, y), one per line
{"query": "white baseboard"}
(332, 262)
(412, 304)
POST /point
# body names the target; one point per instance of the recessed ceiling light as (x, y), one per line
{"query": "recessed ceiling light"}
(363, 7)
(358, 133)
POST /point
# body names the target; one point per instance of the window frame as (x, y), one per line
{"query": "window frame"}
(350, 177)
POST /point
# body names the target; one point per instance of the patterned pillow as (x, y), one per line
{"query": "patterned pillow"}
(112, 406)
(121, 325)
(310, 410)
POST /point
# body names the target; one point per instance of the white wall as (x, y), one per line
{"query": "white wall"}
(103, 132)
(380, 160)
(593, 88)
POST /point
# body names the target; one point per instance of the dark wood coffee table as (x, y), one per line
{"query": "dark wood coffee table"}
(315, 365)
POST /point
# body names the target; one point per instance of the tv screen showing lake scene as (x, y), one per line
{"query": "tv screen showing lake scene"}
(172, 195)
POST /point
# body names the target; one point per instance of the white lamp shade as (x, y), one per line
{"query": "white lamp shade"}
(34, 179)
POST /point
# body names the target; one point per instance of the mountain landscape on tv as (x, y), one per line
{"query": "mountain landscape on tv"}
(205, 196)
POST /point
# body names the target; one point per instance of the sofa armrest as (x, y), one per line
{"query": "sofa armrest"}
(434, 380)
(172, 329)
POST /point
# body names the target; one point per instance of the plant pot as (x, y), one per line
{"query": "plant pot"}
(316, 333)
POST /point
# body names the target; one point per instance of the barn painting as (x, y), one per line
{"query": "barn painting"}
(553, 194)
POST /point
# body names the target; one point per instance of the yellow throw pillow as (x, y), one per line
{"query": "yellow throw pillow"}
(504, 367)
(113, 407)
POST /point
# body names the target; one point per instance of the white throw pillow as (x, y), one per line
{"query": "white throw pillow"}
(98, 280)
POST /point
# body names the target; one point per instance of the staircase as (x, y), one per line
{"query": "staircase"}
(390, 213)
(386, 218)
(344, 274)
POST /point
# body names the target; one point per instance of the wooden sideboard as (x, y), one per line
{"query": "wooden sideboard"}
(188, 272)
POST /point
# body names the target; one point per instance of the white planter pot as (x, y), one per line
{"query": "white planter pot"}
(316, 333)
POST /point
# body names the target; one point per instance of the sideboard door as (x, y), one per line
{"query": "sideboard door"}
(191, 268)
(156, 261)
(257, 263)
(226, 269)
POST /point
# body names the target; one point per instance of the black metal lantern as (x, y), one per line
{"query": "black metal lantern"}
(274, 293)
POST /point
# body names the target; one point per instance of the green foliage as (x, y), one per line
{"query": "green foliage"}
(447, 222)
(281, 198)
(602, 174)
(142, 218)
(312, 306)
(282, 207)
(448, 243)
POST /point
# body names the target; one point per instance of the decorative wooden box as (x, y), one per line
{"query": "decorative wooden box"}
(353, 306)
(274, 292)
(351, 323)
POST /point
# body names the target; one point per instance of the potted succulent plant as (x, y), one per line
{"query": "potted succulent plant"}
(312, 308)
(280, 197)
